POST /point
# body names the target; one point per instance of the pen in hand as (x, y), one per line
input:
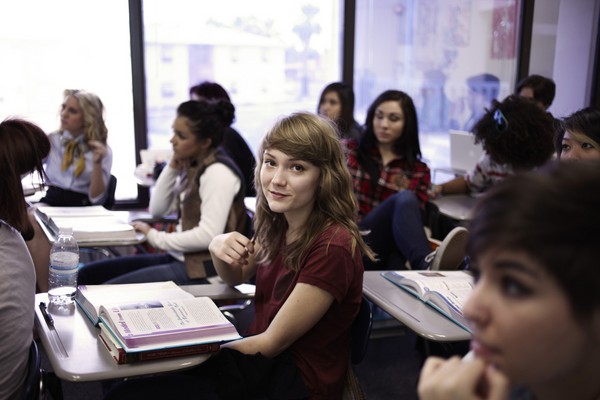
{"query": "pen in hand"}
(47, 316)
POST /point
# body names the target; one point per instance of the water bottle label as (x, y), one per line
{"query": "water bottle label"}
(64, 261)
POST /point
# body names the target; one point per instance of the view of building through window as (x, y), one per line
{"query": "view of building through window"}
(450, 56)
(49, 46)
(273, 57)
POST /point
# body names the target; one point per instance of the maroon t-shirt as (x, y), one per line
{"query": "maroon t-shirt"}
(322, 354)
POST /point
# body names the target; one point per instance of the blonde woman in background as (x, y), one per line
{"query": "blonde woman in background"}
(77, 168)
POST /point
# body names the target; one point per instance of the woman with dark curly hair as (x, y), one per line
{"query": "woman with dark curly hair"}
(516, 135)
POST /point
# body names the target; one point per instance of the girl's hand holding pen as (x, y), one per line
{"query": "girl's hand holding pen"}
(233, 248)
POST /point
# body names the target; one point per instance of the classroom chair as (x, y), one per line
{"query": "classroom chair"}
(109, 202)
(361, 333)
(33, 385)
(39, 384)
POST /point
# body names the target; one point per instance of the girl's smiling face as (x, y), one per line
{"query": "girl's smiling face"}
(289, 184)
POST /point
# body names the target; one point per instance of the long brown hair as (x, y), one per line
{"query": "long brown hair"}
(23, 147)
(314, 139)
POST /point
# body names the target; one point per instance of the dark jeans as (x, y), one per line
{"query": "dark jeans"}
(136, 269)
(396, 233)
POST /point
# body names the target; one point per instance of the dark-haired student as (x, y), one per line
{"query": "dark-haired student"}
(233, 143)
(390, 183)
(337, 103)
(535, 308)
(307, 258)
(204, 186)
(23, 146)
(579, 136)
(517, 136)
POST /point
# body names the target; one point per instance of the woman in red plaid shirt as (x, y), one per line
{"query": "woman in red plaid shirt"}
(391, 182)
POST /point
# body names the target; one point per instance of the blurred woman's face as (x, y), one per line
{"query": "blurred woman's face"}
(185, 144)
(388, 122)
(71, 116)
(579, 147)
(331, 106)
(523, 323)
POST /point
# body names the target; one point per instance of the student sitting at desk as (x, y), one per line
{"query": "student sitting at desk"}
(23, 146)
(78, 167)
(535, 308)
(337, 104)
(579, 137)
(307, 258)
(516, 134)
(390, 183)
(204, 186)
(233, 143)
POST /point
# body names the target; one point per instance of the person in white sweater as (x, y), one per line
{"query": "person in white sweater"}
(203, 186)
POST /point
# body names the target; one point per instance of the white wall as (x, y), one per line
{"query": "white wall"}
(563, 45)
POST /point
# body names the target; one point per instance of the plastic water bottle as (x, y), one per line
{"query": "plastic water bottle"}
(64, 259)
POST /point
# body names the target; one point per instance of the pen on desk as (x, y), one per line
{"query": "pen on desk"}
(47, 316)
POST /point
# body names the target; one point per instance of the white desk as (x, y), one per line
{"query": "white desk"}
(456, 206)
(413, 313)
(76, 354)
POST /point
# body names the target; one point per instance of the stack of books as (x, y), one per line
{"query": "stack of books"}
(148, 321)
(90, 224)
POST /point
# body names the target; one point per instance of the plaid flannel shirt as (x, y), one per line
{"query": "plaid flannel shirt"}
(393, 177)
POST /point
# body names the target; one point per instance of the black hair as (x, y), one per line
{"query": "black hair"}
(544, 89)
(346, 95)
(207, 120)
(551, 215)
(516, 132)
(585, 121)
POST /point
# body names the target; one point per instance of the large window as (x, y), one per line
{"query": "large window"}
(273, 57)
(429, 49)
(49, 46)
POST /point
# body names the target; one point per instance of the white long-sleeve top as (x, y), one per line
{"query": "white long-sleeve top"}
(218, 187)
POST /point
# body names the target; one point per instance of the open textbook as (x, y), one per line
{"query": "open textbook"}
(91, 297)
(446, 291)
(150, 323)
(144, 321)
(90, 224)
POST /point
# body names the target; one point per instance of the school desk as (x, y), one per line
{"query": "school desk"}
(76, 355)
(410, 311)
